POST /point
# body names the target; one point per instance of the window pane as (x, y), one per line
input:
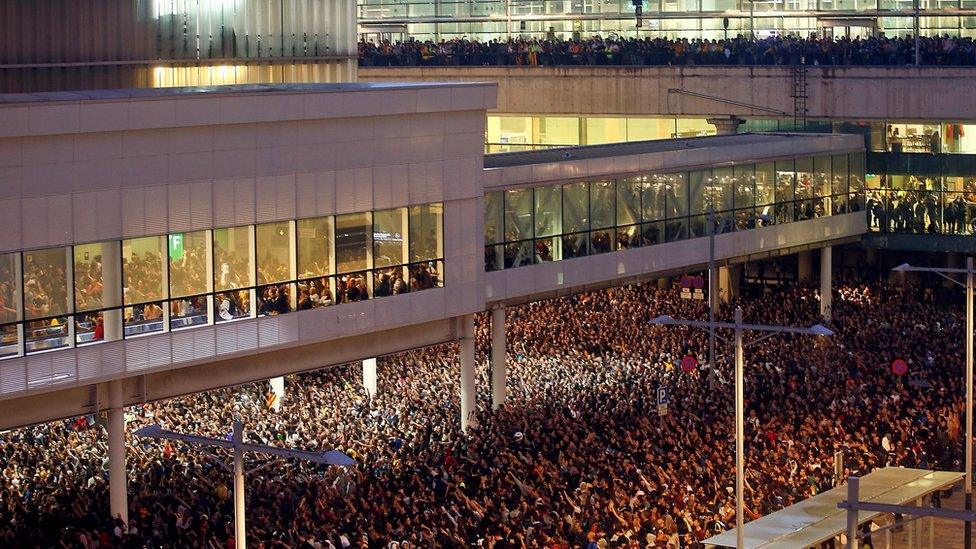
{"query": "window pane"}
(233, 258)
(46, 282)
(518, 214)
(576, 207)
(314, 247)
(274, 248)
(676, 194)
(718, 192)
(628, 201)
(389, 281)
(494, 212)
(9, 291)
(315, 293)
(602, 200)
(276, 299)
(143, 268)
(188, 311)
(426, 230)
(653, 191)
(353, 235)
(89, 284)
(352, 287)
(232, 304)
(426, 275)
(548, 211)
(744, 190)
(389, 228)
(699, 192)
(189, 264)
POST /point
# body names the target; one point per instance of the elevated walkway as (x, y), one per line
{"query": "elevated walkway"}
(861, 93)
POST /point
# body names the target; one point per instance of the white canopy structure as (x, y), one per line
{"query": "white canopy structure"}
(818, 519)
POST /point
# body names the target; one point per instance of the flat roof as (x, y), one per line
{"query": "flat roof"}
(818, 519)
(196, 91)
(562, 154)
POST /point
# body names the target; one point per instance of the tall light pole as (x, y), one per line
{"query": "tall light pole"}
(738, 326)
(237, 445)
(944, 273)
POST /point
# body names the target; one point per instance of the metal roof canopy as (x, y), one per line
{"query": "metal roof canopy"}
(817, 519)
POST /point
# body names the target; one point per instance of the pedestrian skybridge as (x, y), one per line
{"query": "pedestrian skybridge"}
(560, 220)
(178, 250)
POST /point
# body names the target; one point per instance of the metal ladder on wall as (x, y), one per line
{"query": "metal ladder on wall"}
(799, 94)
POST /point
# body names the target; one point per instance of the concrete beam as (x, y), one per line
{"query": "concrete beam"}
(834, 92)
(74, 401)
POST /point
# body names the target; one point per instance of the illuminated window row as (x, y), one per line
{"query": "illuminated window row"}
(76, 295)
(550, 223)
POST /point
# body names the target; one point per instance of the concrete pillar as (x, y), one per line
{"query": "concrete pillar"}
(664, 283)
(118, 500)
(469, 388)
(826, 282)
(725, 125)
(804, 268)
(498, 356)
(112, 290)
(278, 388)
(369, 377)
(729, 277)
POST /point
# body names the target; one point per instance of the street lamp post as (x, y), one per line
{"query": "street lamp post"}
(738, 326)
(237, 445)
(944, 273)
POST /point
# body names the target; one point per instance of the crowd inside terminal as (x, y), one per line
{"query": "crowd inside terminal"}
(577, 457)
(533, 225)
(612, 50)
(89, 293)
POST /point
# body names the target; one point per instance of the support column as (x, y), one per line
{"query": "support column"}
(725, 125)
(469, 388)
(953, 261)
(369, 377)
(664, 283)
(118, 499)
(111, 290)
(498, 357)
(826, 282)
(729, 277)
(804, 266)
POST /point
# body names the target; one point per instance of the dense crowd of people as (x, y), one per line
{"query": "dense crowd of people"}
(612, 50)
(578, 456)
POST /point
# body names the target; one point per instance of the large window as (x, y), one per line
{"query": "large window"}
(315, 237)
(353, 242)
(275, 247)
(189, 263)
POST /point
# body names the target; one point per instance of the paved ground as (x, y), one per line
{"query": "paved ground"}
(947, 534)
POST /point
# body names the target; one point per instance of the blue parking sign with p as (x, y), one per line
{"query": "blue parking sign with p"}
(662, 395)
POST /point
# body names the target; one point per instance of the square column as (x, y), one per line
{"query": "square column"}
(804, 266)
(117, 488)
(498, 358)
(469, 387)
(826, 281)
(369, 377)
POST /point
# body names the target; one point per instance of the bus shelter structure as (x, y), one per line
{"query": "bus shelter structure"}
(818, 519)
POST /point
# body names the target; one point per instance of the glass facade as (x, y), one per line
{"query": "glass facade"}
(502, 19)
(555, 222)
(899, 203)
(505, 133)
(88, 293)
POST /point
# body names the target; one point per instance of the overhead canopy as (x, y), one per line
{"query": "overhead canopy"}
(818, 519)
